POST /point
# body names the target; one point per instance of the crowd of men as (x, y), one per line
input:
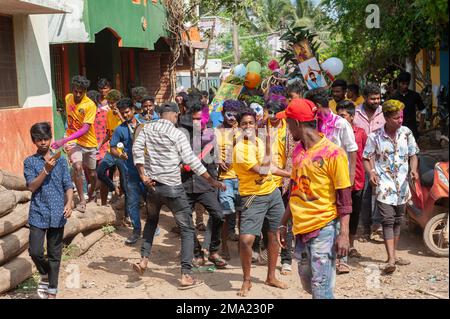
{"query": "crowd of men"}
(301, 168)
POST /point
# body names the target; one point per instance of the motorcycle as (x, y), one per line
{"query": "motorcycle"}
(429, 205)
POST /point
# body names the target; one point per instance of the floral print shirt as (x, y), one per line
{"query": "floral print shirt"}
(392, 163)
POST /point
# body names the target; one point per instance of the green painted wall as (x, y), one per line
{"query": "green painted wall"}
(74, 64)
(125, 17)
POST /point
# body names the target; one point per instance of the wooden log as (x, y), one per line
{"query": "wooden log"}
(80, 243)
(7, 202)
(16, 219)
(12, 181)
(16, 271)
(94, 218)
(22, 196)
(13, 244)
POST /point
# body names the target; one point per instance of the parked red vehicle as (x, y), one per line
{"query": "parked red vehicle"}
(429, 205)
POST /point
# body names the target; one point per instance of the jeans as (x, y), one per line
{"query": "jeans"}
(174, 197)
(286, 253)
(214, 227)
(317, 262)
(106, 164)
(134, 191)
(369, 214)
(50, 265)
(229, 200)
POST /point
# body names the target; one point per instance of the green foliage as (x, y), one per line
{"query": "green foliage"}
(294, 35)
(68, 252)
(108, 229)
(30, 284)
(406, 27)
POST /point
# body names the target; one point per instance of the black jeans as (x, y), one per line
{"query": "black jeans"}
(50, 265)
(174, 197)
(356, 209)
(214, 228)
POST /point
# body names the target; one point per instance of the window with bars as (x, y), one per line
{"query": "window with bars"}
(8, 72)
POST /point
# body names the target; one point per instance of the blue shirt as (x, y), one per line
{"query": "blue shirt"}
(122, 134)
(47, 202)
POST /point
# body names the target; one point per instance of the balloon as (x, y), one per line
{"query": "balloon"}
(240, 70)
(333, 65)
(252, 80)
(254, 66)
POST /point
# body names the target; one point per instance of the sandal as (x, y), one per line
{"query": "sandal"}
(42, 290)
(342, 268)
(81, 207)
(402, 262)
(195, 283)
(353, 253)
(138, 268)
(389, 269)
(198, 262)
(218, 262)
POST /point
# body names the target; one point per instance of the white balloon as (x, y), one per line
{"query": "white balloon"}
(333, 65)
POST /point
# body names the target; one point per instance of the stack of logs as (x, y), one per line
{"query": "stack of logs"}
(15, 263)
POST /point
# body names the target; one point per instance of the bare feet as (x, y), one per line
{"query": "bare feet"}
(225, 254)
(246, 286)
(276, 283)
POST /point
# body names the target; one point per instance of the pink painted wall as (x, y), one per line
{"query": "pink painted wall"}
(15, 141)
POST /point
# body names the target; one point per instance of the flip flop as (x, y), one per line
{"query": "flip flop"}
(389, 269)
(402, 262)
(195, 283)
(353, 253)
(218, 262)
(137, 268)
(342, 268)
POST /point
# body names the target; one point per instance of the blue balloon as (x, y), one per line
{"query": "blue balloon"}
(240, 71)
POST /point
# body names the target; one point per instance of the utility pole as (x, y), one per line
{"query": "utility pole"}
(237, 56)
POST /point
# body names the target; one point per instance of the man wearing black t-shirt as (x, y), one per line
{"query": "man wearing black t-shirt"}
(413, 103)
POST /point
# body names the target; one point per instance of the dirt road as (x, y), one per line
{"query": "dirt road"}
(105, 272)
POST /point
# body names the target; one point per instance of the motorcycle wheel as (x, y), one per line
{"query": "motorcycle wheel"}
(433, 235)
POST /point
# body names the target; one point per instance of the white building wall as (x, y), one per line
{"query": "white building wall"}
(32, 60)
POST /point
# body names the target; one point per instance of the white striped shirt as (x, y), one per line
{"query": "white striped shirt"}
(167, 148)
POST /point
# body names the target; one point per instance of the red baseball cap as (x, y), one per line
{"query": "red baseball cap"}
(302, 110)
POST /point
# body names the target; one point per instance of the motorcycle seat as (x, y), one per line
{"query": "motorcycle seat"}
(426, 170)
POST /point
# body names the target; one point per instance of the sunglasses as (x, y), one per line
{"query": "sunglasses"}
(230, 115)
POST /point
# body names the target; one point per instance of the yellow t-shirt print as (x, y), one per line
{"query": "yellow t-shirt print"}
(79, 114)
(317, 173)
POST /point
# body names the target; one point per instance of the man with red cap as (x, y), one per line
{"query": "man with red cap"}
(320, 201)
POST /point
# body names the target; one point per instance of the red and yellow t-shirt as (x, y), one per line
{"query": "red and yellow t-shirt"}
(247, 154)
(279, 141)
(79, 114)
(316, 174)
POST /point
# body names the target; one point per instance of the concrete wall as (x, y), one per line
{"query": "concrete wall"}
(34, 91)
(32, 60)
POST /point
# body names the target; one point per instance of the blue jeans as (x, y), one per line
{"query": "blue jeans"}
(317, 262)
(106, 164)
(134, 191)
(229, 199)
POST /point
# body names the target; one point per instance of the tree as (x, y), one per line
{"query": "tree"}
(406, 27)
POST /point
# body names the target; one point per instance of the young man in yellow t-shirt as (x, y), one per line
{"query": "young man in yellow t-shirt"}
(260, 198)
(226, 137)
(80, 141)
(319, 203)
